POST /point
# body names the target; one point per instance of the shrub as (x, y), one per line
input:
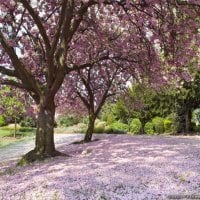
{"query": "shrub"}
(25, 129)
(107, 114)
(81, 128)
(108, 129)
(196, 128)
(110, 118)
(135, 126)
(149, 128)
(167, 125)
(67, 121)
(119, 126)
(196, 117)
(158, 123)
(175, 121)
(100, 127)
(85, 120)
(28, 122)
(2, 121)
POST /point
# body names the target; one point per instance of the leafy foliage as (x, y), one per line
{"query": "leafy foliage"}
(67, 121)
(196, 116)
(135, 126)
(100, 127)
(119, 126)
(2, 120)
(158, 123)
(149, 128)
(167, 125)
(28, 122)
(11, 105)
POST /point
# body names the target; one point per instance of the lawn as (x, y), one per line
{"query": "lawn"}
(116, 167)
(6, 135)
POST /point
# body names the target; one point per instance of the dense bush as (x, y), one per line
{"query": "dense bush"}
(196, 117)
(119, 126)
(149, 128)
(67, 121)
(108, 129)
(110, 118)
(158, 123)
(100, 127)
(81, 128)
(168, 125)
(135, 126)
(2, 121)
(28, 122)
(84, 120)
(173, 117)
(25, 129)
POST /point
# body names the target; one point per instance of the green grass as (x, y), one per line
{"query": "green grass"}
(7, 133)
(4, 133)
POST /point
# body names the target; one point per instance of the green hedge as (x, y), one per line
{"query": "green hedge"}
(158, 123)
(135, 126)
(67, 121)
(149, 128)
(119, 126)
(168, 125)
(2, 121)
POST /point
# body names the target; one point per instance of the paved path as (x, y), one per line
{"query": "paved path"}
(15, 151)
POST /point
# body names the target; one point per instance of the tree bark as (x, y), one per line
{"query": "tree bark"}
(142, 126)
(188, 118)
(15, 129)
(44, 146)
(90, 129)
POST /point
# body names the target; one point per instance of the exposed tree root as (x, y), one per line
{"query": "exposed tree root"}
(34, 155)
(84, 141)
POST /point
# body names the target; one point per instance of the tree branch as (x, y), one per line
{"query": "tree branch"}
(13, 83)
(24, 75)
(8, 72)
(38, 22)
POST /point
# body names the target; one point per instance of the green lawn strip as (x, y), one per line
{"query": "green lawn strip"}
(7, 139)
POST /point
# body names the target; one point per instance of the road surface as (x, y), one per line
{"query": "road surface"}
(16, 150)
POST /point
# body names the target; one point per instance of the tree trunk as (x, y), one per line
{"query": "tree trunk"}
(15, 129)
(188, 118)
(44, 146)
(142, 126)
(90, 129)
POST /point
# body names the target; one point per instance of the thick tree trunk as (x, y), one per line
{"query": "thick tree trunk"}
(44, 146)
(90, 129)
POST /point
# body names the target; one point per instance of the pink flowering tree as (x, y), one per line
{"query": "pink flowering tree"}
(39, 45)
(91, 88)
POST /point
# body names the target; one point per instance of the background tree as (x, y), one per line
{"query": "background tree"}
(12, 105)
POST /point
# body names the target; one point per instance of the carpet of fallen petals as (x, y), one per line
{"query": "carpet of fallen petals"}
(116, 167)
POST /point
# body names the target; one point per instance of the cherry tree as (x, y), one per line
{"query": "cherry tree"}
(90, 87)
(40, 42)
